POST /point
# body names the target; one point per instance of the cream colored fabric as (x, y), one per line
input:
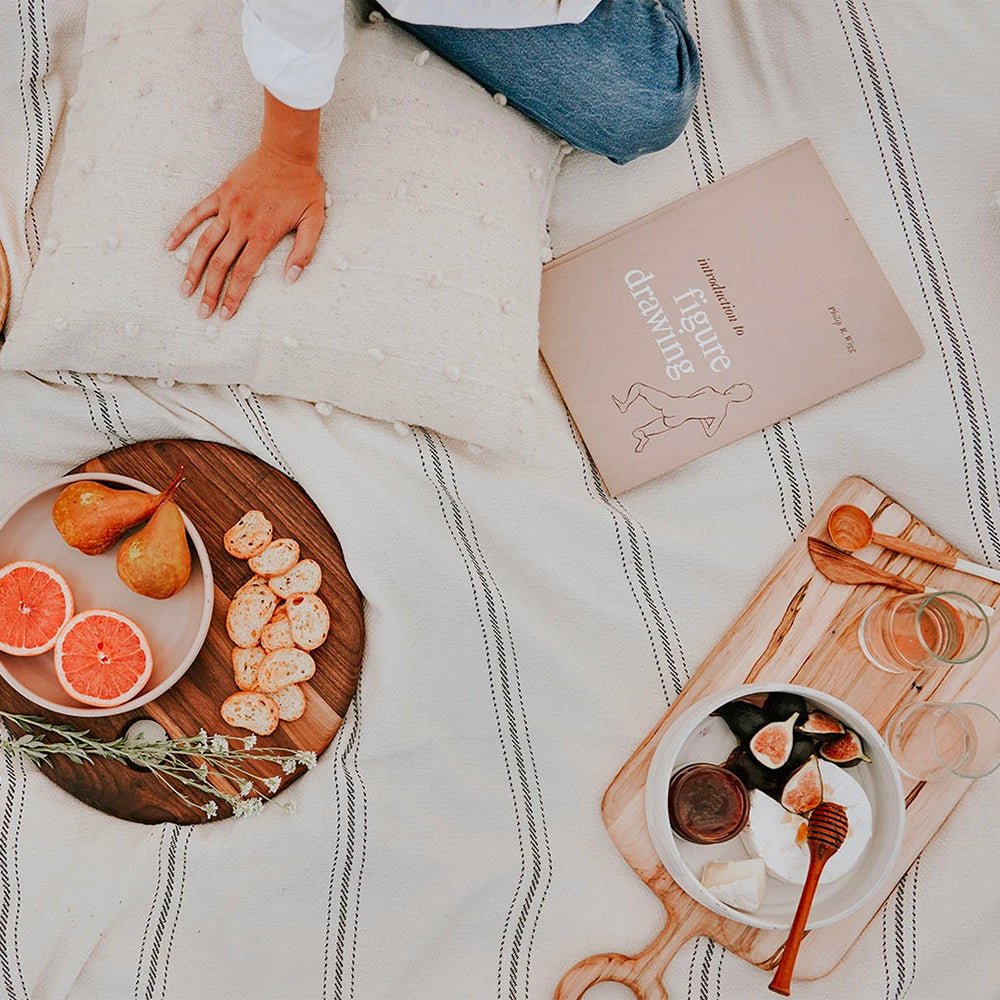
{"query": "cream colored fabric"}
(421, 302)
(294, 47)
(524, 631)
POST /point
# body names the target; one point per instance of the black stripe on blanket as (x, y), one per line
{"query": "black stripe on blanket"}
(961, 369)
(789, 469)
(164, 913)
(639, 568)
(15, 779)
(344, 897)
(514, 960)
(110, 429)
(37, 109)
(899, 946)
(80, 384)
(254, 413)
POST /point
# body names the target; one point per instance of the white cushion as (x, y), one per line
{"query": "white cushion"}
(421, 303)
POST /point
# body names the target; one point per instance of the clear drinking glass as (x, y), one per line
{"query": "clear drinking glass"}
(907, 633)
(934, 738)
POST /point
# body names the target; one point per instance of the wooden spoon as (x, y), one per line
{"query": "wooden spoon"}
(852, 529)
(826, 833)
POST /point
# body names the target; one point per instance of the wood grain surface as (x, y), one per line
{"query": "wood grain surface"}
(221, 485)
(800, 628)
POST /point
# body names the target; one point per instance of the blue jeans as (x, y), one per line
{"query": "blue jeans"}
(620, 84)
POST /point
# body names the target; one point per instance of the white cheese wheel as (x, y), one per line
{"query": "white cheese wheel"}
(778, 836)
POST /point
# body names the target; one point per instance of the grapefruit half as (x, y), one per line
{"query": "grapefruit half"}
(102, 658)
(35, 604)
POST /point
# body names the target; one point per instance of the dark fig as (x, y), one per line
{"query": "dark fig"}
(803, 790)
(743, 718)
(845, 751)
(772, 745)
(802, 749)
(819, 724)
(780, 704)
(752, 773)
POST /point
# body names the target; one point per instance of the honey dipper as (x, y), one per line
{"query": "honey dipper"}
(825, 835)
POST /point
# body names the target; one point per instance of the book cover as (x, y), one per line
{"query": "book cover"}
(716, 316)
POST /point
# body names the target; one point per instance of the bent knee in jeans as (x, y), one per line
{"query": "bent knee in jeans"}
(649, 91)
(620, 84)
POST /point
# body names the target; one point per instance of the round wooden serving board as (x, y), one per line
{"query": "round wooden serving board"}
(221, 484)
(4, 289)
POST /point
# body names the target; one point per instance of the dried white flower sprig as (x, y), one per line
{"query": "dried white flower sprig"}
(189, 762)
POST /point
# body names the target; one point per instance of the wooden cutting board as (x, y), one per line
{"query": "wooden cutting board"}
(221, 484)
(800, 628)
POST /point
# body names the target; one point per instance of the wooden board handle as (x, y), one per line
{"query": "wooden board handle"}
(642, 973)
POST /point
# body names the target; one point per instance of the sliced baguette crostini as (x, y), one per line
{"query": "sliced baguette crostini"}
(250, 535)
(291, 702)
(284, 667)
(251, 710)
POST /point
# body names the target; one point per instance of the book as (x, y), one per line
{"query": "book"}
(716, 316)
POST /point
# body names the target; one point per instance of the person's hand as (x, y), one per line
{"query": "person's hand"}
(276, 189)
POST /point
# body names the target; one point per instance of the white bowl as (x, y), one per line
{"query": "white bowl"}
(695, 736)
(175, 627)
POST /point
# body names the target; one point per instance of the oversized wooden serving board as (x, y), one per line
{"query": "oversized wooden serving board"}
(800, 628)
(220, 485)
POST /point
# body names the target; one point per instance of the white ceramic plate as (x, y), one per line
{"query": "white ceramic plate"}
(176, 627)
(695, 736)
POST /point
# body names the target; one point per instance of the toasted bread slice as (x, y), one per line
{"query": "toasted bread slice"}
(284, 667)
(291, 702)
(279, 557)
(251, 710)
(246, 663)
(308, 619)
(250, 535)
(277, 633)
(255, 581)
(249, 612)
(303, 578)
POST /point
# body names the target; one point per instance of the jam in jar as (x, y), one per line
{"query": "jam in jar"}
(707, 804)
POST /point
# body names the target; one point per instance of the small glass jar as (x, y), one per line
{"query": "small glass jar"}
(707, 804)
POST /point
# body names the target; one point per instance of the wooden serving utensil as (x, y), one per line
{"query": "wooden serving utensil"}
(825, 835)
(852, 529)
(842, 568)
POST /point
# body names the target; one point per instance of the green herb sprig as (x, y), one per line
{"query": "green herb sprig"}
(186, 763)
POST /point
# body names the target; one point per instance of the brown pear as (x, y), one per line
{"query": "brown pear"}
(156, 561)
(93, 516)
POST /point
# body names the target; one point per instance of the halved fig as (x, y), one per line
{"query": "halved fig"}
(846, 750)
(821, 724)
(772, 745)
(803, 790)
(743, 718)
(780, 704)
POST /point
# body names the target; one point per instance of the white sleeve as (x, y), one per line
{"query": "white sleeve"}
(295, 47)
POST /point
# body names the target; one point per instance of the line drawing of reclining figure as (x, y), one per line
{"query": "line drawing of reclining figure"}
(706, 405)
